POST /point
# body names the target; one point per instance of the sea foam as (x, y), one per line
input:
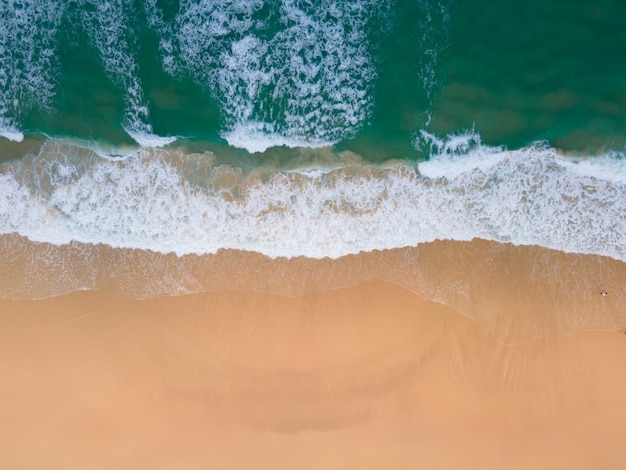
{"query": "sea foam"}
(171, 202)
(284, 73)
(28, 62)
(10, 132)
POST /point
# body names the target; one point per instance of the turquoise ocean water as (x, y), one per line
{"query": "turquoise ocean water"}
(313, 128)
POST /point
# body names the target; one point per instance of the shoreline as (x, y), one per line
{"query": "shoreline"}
(478, 279)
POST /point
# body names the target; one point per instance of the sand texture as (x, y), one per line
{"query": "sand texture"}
(524, 368)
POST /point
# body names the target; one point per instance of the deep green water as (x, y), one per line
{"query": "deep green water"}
(371, 74)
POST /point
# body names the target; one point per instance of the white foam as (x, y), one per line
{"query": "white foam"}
(258, 137)
(609, 166)
(166, 201)
(28, 60)
(156, 21)
(304, 71)
(457, 153)
(147, 139)
(11, 133)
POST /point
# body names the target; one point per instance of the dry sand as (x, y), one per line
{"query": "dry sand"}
(365, 376)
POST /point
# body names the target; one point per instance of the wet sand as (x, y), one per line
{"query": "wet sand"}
(370, 375)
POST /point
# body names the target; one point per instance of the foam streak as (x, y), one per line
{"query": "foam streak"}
(108, 26)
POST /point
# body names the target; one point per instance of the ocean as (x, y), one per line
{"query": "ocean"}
(294, 128)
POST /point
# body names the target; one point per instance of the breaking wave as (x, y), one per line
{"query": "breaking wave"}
(172, 202)
(285, 73)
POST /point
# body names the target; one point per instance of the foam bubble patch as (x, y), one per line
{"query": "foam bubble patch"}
(610, 166)
(304, 71)
(458, 153)
(146, 139)
(11, 133)
(28, 60)
(258, 137)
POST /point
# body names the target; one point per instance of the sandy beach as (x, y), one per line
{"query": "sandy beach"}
(369, 375)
